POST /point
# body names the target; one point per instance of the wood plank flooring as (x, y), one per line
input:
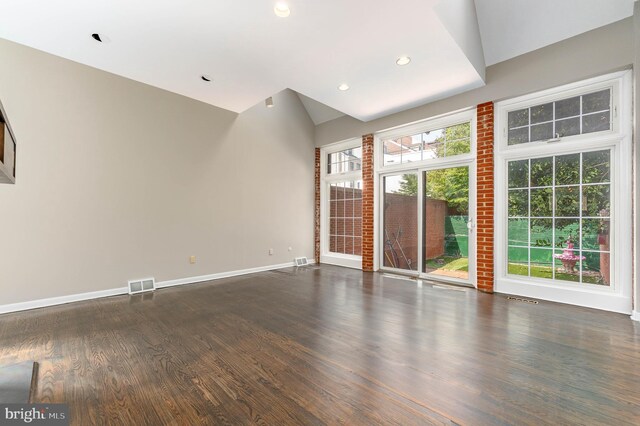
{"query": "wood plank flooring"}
(329, 345)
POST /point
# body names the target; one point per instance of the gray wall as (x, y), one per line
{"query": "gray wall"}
(590, 54)
(118, 180)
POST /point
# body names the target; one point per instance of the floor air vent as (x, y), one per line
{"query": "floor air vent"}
(141, 286)
(301, 261)
(520, 299)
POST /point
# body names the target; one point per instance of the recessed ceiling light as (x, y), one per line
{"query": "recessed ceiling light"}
(101, 38)
(403, 60)
(269, 102)
(343, 87)
(205, 78)
(281, 9)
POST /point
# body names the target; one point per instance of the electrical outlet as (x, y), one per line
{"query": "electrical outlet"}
(192, 260)
(270, 252)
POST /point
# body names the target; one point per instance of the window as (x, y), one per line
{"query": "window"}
(559, 217)
(563, 215)
(341, 204)
(428, 145)
(576, 115)
(345, 217)
(348, 160)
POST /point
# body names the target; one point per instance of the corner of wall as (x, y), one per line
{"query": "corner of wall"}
(636, 165)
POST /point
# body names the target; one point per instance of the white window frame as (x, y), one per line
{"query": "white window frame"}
(436, 123)
(467, 115)
(326, 179)
(616, 297)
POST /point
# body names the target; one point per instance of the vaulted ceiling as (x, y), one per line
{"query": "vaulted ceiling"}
(249, 53)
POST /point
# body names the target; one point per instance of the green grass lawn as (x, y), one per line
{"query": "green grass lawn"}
(449, 263)
(547, 272)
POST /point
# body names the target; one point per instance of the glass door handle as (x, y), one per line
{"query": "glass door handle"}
(470, 225)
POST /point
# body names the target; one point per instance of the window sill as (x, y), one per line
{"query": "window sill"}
(346, 260)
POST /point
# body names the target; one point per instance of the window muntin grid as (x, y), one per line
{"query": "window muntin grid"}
(345, 217)
(557, 197)
(445, 142)
(348, 160)
(576, 115)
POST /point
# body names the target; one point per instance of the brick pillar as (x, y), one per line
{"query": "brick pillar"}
(316, 223)
(484, 225)
(367, 203)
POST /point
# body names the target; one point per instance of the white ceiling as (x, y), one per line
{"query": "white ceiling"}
(252, 54)
(510, 28)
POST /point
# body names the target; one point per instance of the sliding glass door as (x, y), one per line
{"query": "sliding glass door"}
(427, 198)
(427, 223)
(446, 223)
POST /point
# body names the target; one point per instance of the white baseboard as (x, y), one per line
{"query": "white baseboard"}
(60, 300)
(52, 301)
(635, 315)
(211, 277)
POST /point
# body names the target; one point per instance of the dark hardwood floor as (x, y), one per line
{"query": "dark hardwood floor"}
(328, 345)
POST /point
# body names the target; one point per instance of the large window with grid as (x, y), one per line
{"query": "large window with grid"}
(341, 204)
(563, 216)
(345, 217)
(559, 211)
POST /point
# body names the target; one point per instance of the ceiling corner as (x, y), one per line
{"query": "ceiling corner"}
(319, 112)
(460, 19)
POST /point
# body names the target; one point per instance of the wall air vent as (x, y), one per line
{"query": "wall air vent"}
(300, 261)
(141, 286)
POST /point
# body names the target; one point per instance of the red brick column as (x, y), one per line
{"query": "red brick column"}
(484, 225)
(316, 223)
(367, 203)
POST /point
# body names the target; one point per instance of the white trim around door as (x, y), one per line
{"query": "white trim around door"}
(418, 168)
